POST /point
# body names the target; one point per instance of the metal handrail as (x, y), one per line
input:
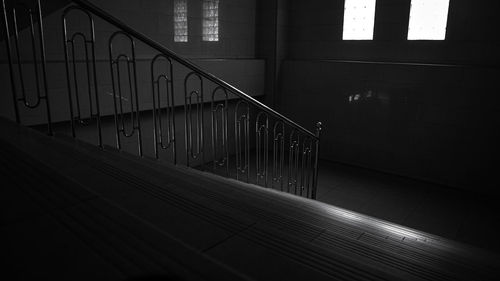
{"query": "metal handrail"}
(302, 175)
(160, 48)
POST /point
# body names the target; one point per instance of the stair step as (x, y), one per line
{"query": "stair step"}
(383, 244)
(247, 228)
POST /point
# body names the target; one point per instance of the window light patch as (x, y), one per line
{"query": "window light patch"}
(211, 20)
(428, 19)
(180, 21)
(359, 19)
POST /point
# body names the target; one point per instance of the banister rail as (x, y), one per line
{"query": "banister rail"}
(160, 48)
(285, 155)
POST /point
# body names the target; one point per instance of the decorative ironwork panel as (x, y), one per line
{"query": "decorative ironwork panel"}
(129, 61)
(242, 139)
(17, 74)
(278, 153)
(262, 146)
(71, 62)
(219, 111)
(164, 138)
(194, 126)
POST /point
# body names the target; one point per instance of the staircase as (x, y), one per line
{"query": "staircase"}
(220, 129)
(77, 210)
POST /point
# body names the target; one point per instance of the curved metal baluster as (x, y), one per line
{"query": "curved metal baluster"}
(40, 79)
(219, 113)
(91, 72)
(262, 147)
(278, 153)
(305, 169)
(242, 151)
(134, 93)
(293, 162)
(159, 140)
(35, 62)
(193, 153)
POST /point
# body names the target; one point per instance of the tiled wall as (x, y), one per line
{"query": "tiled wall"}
(437, 123)
(431, 122)
(155, 19)
(316, 33)
(232, 58)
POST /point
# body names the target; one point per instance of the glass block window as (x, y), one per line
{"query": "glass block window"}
(428, 19)
(180, 21)
(210, 20)
(359, 19)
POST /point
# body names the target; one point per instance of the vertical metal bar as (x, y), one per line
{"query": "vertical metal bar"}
(96, 86)
(157, 115)
(242, 151)
(160, 127)
(172, 112)
(75, 80)
(155, 125)
(188, 111)
(138, 112)
(293, 161)
(18, 55)
(215, 134)
(308, 169)
(9, 56)
(68, 80)
(278, 153)
(89, 82)
(305, 166)
(120, 95)
(35, 62)
(247, 143)
(44, 68)
(224, 138)
(316, 159)
(133, 88)
(111, 62)
(90, 66)
(200, 125)
(216, 110)
(262, 132)
(237, 139)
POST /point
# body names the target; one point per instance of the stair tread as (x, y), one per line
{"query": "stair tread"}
(162, 195)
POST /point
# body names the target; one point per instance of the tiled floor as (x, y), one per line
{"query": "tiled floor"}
(451, 213)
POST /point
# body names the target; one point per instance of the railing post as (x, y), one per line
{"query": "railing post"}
(315, 175)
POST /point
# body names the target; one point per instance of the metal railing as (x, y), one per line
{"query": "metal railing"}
(286, 160)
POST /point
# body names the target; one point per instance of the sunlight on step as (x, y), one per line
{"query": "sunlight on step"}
(381, 226)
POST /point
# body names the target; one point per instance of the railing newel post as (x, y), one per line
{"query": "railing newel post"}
(316, 160)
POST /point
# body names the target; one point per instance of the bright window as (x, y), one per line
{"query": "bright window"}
(359, 19)
(210, 20)
(180, 21)
(428, 19)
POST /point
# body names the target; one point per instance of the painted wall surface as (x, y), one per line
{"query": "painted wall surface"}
(383, 107)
